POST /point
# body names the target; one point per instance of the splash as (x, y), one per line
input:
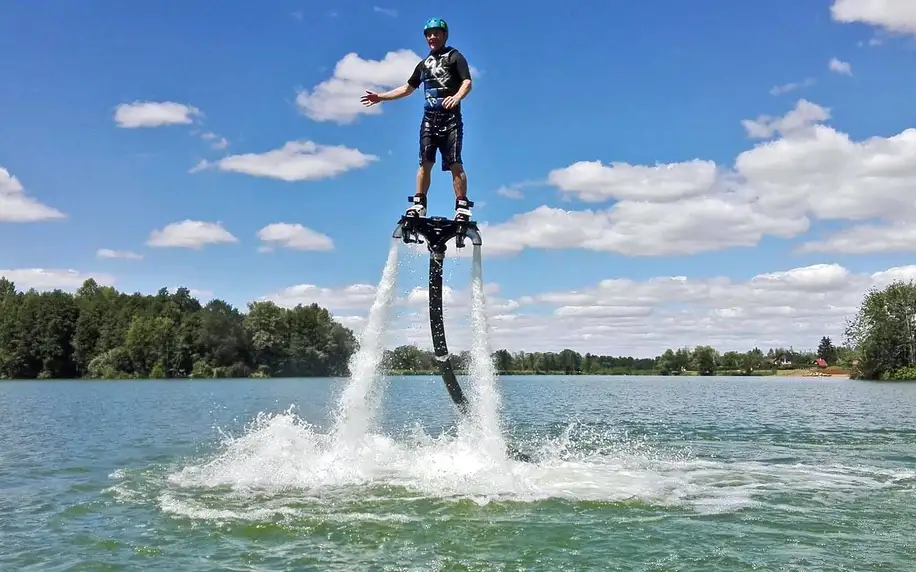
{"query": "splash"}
(358, 403)
(281, 465)
(281, 454)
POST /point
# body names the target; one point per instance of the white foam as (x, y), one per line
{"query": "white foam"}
(282, 465)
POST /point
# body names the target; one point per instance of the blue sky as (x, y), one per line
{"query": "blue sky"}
(642, 84)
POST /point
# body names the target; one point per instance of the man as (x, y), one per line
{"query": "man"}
(447, 80)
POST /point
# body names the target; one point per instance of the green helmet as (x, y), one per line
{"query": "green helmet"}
(434, 23)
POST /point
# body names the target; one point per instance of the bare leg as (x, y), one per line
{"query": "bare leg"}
(459, 180)
(460, 184)
(423, 178)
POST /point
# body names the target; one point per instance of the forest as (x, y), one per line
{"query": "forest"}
(99, 332)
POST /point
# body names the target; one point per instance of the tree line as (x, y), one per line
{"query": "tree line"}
(704, 360)
(99, 332)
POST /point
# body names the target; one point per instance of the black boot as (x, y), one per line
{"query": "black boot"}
(463, 209)
(418, 206)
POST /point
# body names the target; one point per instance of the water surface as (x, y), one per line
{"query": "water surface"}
(631, 474)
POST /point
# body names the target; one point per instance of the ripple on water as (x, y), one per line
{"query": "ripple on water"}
(822, 492)
(592, 493)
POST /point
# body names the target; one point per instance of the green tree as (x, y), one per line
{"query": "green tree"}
(883, 333)
(100, 332)
(826, 351)
(705, 360)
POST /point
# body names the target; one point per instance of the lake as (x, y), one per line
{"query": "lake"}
(641, 473)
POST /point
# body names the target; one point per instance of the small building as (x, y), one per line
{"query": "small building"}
(821, 362)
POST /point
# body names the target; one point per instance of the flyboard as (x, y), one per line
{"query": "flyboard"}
(438, 231)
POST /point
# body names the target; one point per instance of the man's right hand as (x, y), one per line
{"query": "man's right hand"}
(370, 99)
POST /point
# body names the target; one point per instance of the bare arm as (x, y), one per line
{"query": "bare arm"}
(397, 93)
(371, 98)
(464, 90)
(464, 72)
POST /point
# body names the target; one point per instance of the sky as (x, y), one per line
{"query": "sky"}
(646, 174)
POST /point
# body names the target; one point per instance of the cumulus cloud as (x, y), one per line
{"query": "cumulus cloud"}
(839, 66)
(640, 228)
(867, 239)
(16, 206)
(592, 182)
(293, 237)
(295, 161)
(831, 176)
(337, 99)
(354, 296)
(782, 308)
(44, 279)
(190, 234)
(795, 121)
(803, 170)
(111, 253)
(896, 16)
(154, 114)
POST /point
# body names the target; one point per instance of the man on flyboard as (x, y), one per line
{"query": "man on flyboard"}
(446, 80)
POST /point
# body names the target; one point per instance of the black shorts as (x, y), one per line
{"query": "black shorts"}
(442, 131)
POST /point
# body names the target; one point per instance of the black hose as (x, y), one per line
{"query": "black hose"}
(437, 326)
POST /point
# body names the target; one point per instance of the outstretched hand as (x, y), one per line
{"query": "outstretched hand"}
(370, 99)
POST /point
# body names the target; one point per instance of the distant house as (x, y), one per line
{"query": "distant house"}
(820, 362)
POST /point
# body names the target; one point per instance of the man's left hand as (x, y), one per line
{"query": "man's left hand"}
(450, 102)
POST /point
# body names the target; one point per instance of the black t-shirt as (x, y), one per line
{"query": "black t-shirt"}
(441, 74)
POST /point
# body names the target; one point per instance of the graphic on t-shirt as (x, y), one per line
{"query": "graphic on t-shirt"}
(436, 78)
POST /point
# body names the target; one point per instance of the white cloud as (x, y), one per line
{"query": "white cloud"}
(190, 234)
(294, 237)
(793, 307)
(792, 86)
(593, 182)
(898, 16)
(796, 121)
(772, 189)
(337, 98)
(514, 191)
(202, 295)
(217, 142)
(839, 66)
(125, 254)
(43, 279)
(831, 176)
(15, 206)
(386, 11)
(510, 192)
(640, 228)
(295, 161)
(867, 239)
(154, 114)
(357, 296)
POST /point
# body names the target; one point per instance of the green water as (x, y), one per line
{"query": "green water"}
(632, 474)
